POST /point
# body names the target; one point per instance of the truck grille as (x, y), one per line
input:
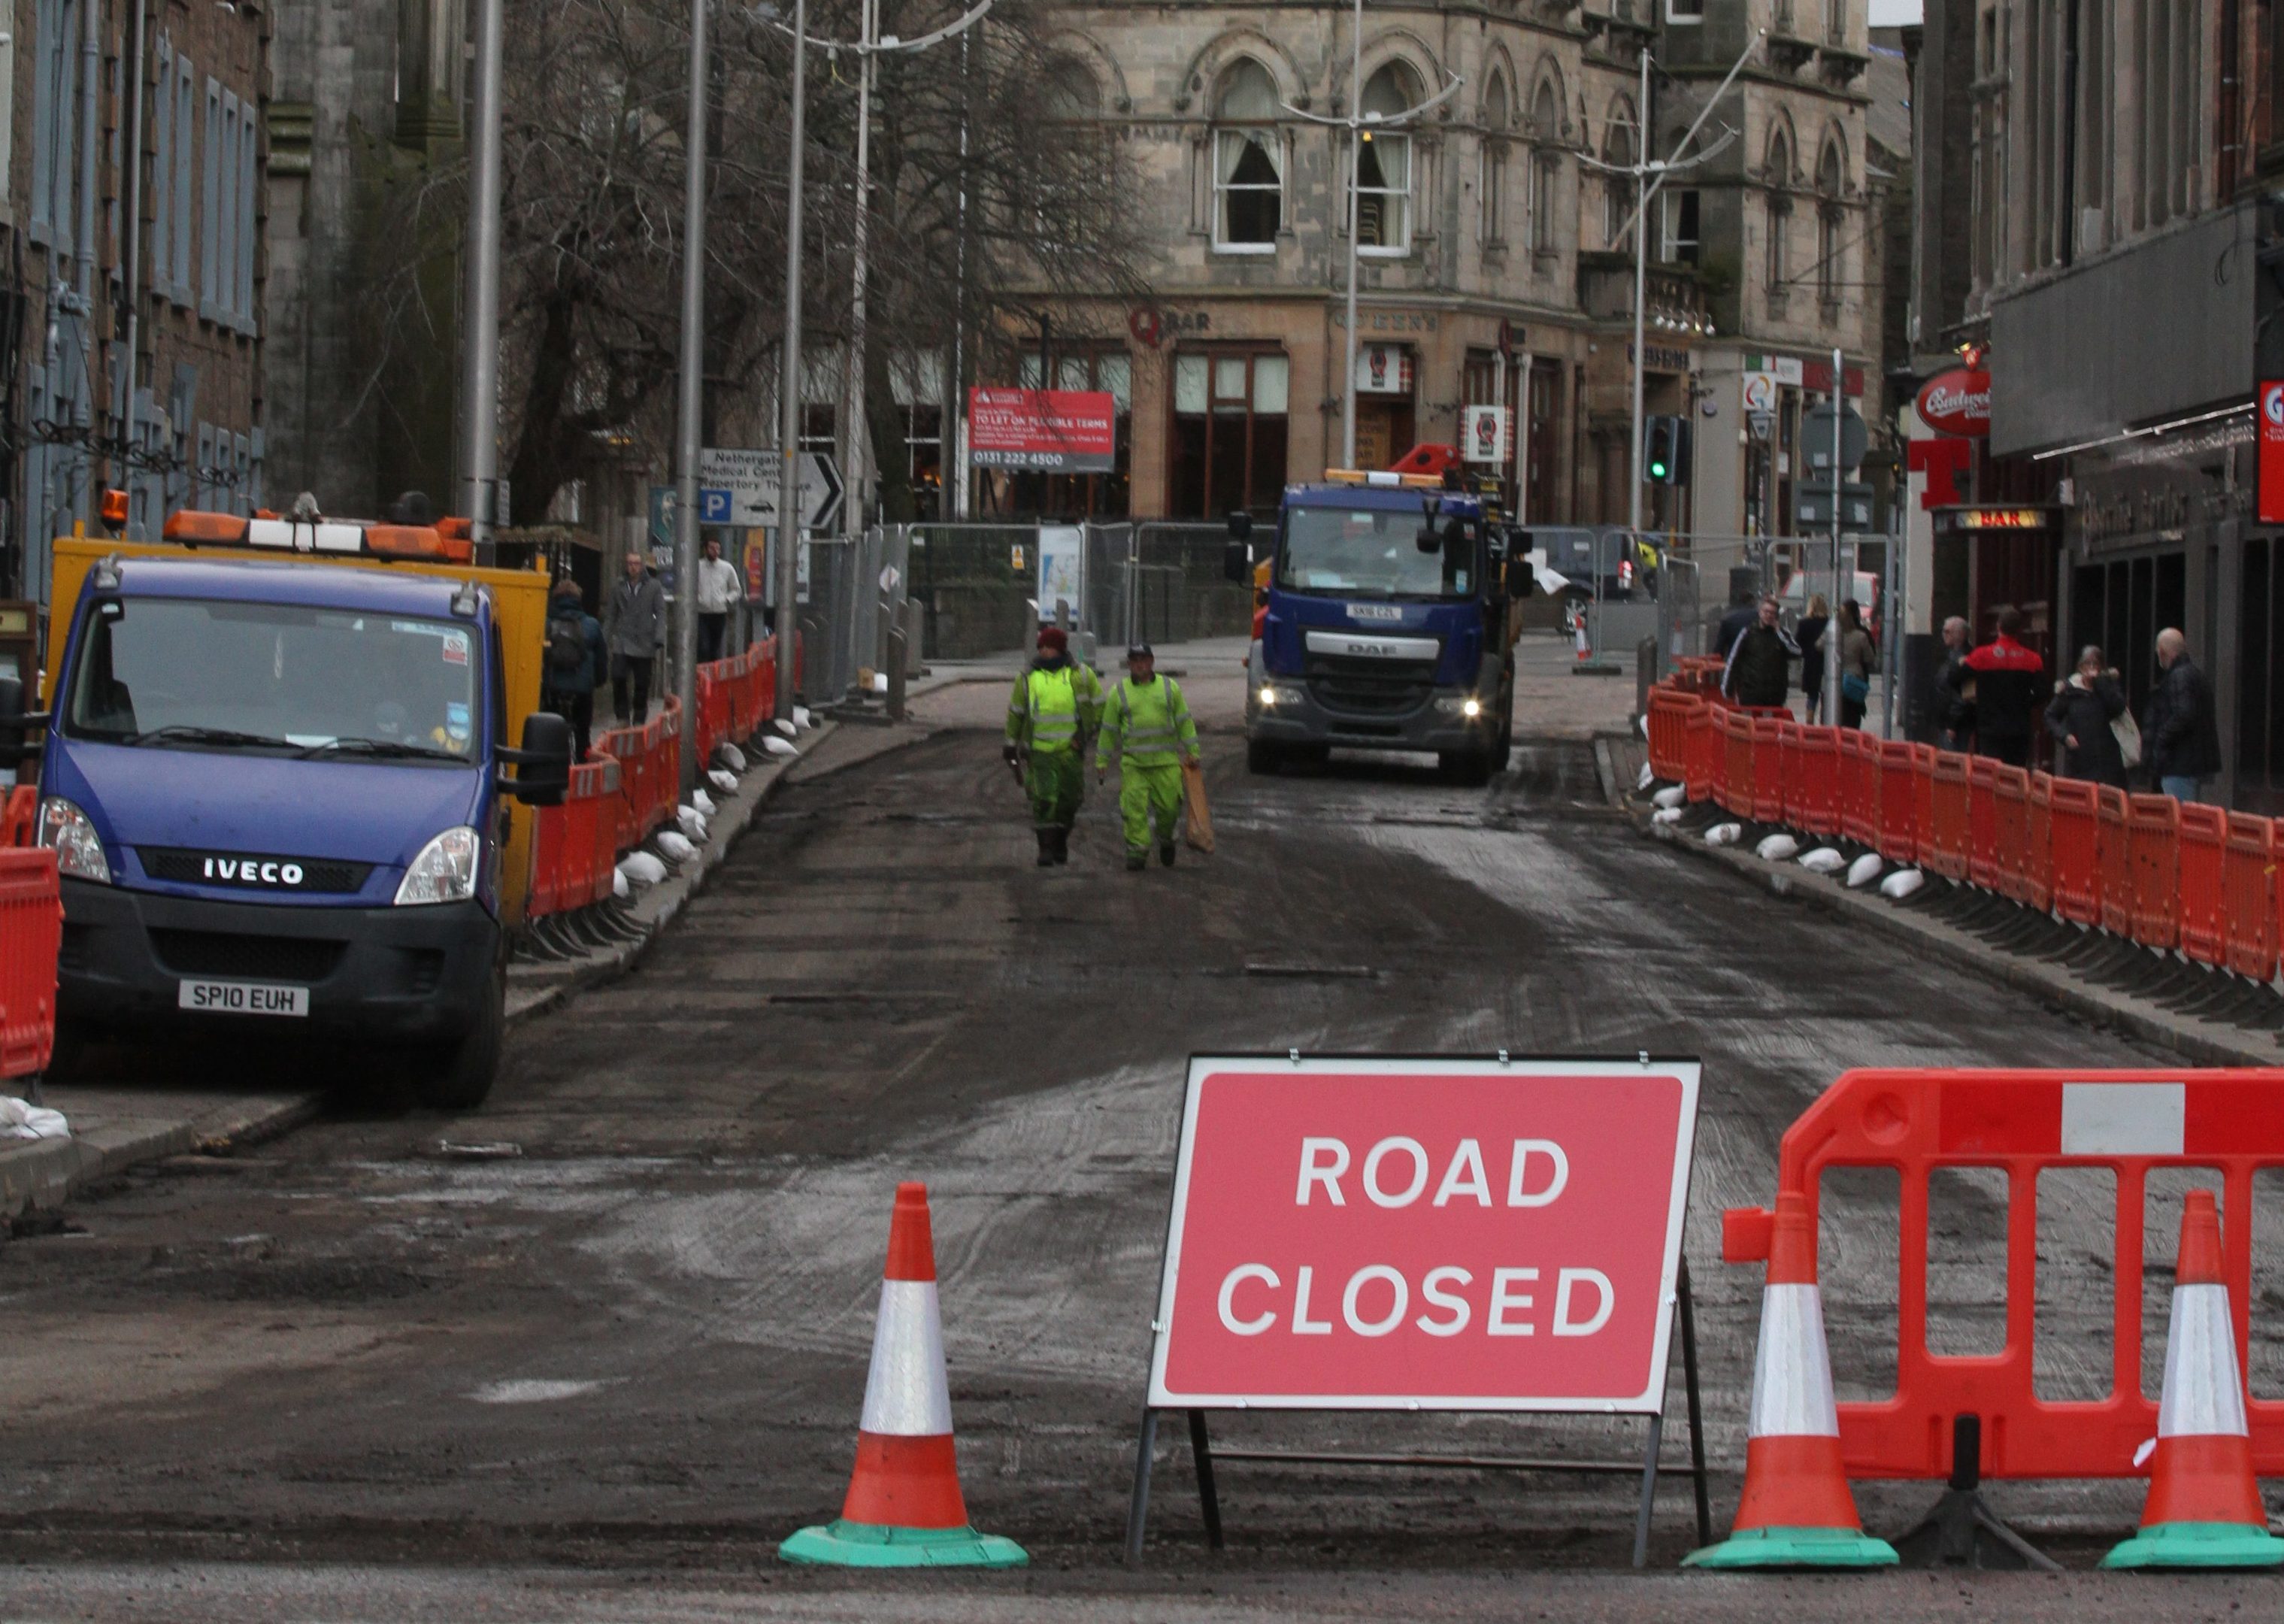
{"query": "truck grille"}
(259, 959)
(181, 866)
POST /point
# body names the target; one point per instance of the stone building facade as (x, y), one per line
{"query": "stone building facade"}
(1496, 262)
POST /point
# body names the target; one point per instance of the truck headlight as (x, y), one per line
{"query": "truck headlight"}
(445, 870)
(1468, 707)
(1274, 694)
(64, 829)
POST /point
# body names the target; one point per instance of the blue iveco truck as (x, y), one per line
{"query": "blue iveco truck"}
(1389, 623)
(269, 770)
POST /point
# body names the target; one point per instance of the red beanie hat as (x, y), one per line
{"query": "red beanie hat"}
(1052, 639)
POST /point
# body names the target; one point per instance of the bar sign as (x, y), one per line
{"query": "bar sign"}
(2270, 503)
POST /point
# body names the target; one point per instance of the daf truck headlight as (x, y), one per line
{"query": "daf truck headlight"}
(1274, 694)
(65, 831)
(445, 870)
(1469, 707)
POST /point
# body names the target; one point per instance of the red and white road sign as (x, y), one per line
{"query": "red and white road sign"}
(1391, 1232)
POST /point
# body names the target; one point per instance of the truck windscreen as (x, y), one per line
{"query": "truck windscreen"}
(1366, 552)
(280, 678)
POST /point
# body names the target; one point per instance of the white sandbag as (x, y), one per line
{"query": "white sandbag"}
(1864, 871)
(691, 820)
(1642, 721)
(1777, 849)
(1823, 860)
(783, 726)
(1666, 815)
(726, 782)
(676, 848)
(702, 801)
(776, 747)
(642, 867)
(1725, 834)
(1645, 778)
(1671, 795)
(730, 757)
(800, 717)
(1901, 883)
(23, 1119)
(620, 888)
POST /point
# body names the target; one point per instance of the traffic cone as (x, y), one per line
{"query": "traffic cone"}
(2204, 1507)
(904, 1507)
(1796, 1509)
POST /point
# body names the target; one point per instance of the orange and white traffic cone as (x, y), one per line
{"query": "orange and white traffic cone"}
(1796, 1511)
(904, 1507)
(2203, 1509)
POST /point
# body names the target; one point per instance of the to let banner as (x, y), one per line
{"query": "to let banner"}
(1055, 430)
(1429, 1233)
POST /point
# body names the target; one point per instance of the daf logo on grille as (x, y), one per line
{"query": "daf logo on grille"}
(252, 872)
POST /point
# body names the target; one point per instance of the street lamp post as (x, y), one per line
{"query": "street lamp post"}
(480, 302)
(789, 535)
(690, 402)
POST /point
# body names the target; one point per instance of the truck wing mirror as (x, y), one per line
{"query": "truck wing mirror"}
(543, 764)
(1236, 560)
(19, 730)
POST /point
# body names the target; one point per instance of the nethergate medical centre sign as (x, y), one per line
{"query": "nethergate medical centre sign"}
(1433, 1233)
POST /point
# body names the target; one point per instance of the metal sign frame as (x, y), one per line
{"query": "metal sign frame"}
(1674, 1288)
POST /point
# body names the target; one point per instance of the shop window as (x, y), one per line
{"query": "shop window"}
(1384, 166)
(1248, 161)
(1229, 435)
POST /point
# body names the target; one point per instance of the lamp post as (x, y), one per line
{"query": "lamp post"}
(690, 400)
(480, 302)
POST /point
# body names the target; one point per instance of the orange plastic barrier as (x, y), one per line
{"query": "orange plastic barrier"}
(1982, 821)
(1899, 817)
(1811, 791)
(2040, 884)
(1734, 790)
(1858, 754)
(2075, 843)
(20, 821)
(2115, 862)
(31, 931)
(2010, 818)
(2204, 857)
(1705, 751)
(2023, 1123)
(2249, 893)
(1946, 853)
(2152, 852)
(1668, 732)
(1768, 764)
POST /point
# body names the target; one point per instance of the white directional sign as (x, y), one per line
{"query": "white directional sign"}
(736, 487)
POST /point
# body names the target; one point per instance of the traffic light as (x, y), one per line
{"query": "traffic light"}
(1665, 452)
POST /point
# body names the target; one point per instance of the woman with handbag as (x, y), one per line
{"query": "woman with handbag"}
(1859, 658)
(2088, 718)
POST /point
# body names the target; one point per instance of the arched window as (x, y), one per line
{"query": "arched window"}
(1248, 161)
(1545, 159)
(1779, 202)
(1829, 182)
(1072, 94)
(1384, 164)
(1496, 118)
(1618, 189)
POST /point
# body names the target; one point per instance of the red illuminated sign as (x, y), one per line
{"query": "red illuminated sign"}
(1060, 431)
(1957, 402)
(2270, 501)
(1425, 1233)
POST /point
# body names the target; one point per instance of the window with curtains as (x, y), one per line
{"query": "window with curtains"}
(1679, 243)
(1780, 222)
(1828, 220)
(1493, 180)
(1248, 175)
(1229, 435)
(1384, 166)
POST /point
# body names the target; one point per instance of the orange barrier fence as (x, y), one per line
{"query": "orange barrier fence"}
(31, 931)
(19, 819)
(2146, 869)
(2024, 1123)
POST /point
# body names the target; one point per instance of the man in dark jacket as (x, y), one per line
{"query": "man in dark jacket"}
(2006, 675)
(1954, 712)
(1733, 624)
(637, 632)
(2180, 742)
(574, 662)
(1759, 670)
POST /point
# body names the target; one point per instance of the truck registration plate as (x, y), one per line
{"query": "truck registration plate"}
(243, 998)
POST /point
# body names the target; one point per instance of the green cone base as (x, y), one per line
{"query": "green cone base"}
(2199, 1545)
(842, 1543)
(1794, 1548)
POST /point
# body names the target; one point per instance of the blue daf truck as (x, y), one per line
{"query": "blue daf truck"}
(1389, 623)
(269, 770)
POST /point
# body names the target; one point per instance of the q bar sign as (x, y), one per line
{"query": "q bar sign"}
(1424, 1234)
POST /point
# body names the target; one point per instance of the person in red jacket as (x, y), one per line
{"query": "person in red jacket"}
(2007, 677)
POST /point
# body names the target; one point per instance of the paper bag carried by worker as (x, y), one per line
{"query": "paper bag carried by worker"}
(1197, 824)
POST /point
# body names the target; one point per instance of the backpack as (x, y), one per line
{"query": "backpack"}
(566, 645)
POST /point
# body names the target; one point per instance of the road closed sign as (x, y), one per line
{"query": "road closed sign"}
(1425, 1233)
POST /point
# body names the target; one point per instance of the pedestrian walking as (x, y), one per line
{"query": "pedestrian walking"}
(1808, 633)
(1147, 724)
(719, 592)
(1759, 672)
(1051, 716)
(1951, 705)
(1859, 658)
(2180, 741)
(2005, 674)
(634, 632)
(2083, 719)
(1744, 608)
(574, 661)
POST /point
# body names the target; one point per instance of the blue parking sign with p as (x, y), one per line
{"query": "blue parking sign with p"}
(714, 507)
